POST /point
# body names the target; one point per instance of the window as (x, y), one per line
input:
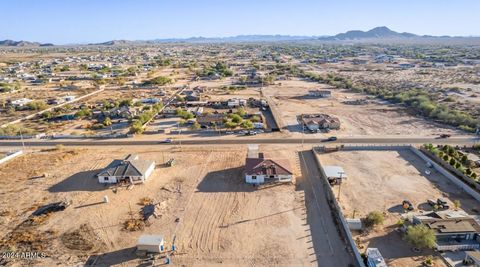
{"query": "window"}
(105, 178)
(254, 177)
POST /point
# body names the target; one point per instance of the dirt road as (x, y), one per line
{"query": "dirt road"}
(326, 241)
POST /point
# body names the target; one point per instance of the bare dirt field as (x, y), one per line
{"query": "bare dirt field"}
(380, 181)
(373, 118)
(221, 220)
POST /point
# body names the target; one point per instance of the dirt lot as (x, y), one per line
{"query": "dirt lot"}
(373, 118)
(380, 181)
(221, 219)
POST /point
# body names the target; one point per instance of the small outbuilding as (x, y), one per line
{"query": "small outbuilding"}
(151, 243)
(335, 174)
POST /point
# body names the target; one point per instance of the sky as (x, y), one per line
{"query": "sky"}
(87, 21)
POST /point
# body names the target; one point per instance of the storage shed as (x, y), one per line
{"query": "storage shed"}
(335, 174)
(151, 243)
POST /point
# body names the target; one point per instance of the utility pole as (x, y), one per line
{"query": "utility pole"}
(21, 137)
(303, 134)
(340, 186)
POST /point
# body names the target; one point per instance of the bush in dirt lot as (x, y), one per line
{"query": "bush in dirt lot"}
(374, 218)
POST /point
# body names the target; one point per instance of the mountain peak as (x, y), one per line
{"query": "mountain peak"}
(377, 32)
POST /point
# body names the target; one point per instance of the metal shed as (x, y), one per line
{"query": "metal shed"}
(151, 243)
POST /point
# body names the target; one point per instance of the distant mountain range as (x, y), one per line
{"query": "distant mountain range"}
(22, 43)
(378, 34)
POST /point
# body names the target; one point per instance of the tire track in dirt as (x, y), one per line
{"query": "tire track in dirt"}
(206, 230)
(207, 224)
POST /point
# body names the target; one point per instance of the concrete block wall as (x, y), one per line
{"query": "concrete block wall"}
(447, 174)
(11, 156)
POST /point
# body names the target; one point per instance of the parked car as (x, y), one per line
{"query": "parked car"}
(332, 138)
(229, 132)
(441, 201)
(407, 205)
(166, 141)
(442, 204)
(251, 133)
(445, 136)
(431, 202)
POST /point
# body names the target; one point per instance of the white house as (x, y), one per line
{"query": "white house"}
(259, 170)
(231, 103)
(68, 98)
(20, 102)
(130, 169)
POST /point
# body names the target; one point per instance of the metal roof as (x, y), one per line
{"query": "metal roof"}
(334, 172)
(150, 240)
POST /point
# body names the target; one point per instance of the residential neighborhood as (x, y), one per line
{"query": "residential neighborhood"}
(240, 133)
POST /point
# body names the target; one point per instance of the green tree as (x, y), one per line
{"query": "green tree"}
(256, 118)
(247, 124)
(84, 112)
(179, 98)
(236, 118)
(47, 115)
(230, 125)
(374, 218)
(136, 127)
(457, 204)
(37, 105)
(107, 121)
(421, 236)
(241, 112)
(160, 80)
(195, 126)
(125, 102)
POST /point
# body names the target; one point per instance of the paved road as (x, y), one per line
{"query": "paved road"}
(246, 140)
(329, 248)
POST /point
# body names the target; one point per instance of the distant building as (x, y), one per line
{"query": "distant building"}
(315, 122)
(131, 169)
(320, 93)
(191, 95)
(406, 65)
(235, 102)
(208, 120)
(374, 258)
(259, 170)
(68, 98)
(195, 110)
(20, 102)
(150, 100)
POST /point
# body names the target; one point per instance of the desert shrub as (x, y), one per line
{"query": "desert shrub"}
(374, 218)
